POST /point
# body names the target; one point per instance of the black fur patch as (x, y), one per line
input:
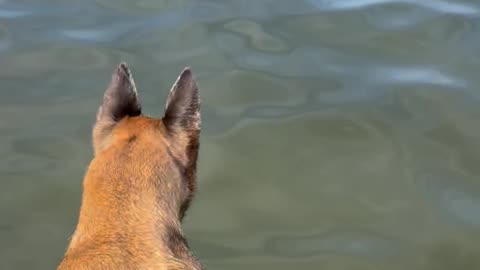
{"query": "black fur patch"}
(176, 242)
(132, 139)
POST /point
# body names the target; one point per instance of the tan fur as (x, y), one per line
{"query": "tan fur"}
(136, 190)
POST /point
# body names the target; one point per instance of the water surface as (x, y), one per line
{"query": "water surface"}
(337, 134)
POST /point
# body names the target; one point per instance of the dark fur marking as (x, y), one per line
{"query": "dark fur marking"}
(176, 242)
(185, 173)
(132, 139)
(178, 163)
(178, 247)
(190, 172)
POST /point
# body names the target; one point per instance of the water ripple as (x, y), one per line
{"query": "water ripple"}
(346, 242)
(453, 193)
(133, 28)
(414, 75)
(11, 14)
(257, 36)
(306, 62)
(341, 96)
(437, 5)
(93, 35)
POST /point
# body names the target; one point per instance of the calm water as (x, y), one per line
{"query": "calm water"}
(337, 134)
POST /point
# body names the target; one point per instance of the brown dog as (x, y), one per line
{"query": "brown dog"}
(140, 182)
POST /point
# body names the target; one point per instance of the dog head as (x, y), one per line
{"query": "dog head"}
(162, 152)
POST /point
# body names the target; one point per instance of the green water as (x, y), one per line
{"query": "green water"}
(337, 134)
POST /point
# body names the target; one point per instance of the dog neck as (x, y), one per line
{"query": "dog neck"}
(143, 224)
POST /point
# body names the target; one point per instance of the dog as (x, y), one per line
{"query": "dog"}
(140, 181)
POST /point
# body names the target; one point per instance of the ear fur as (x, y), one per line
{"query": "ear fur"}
(182, 110)
(120, 98)
(119, 101)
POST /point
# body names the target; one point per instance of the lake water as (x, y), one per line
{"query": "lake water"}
(337, 134)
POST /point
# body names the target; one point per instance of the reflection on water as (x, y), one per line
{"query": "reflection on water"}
(458, 201)
(337, 134)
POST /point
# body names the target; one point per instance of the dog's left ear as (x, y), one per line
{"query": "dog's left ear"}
(120, 98)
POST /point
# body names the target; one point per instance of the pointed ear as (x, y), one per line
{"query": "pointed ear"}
(182, 111)
(182, 118)
(121, 98)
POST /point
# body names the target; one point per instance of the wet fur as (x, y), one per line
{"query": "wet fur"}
(140, 182)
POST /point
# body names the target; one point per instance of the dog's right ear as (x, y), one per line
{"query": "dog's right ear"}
(119, 101)
(182, 110)
(182, 121)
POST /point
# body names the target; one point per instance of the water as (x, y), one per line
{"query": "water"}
(337, 134)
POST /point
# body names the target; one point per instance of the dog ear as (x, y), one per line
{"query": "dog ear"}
(182, 121)
(182, 110)
(119, 101)
(120, 98)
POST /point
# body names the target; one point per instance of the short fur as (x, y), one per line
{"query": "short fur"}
(140, 182)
